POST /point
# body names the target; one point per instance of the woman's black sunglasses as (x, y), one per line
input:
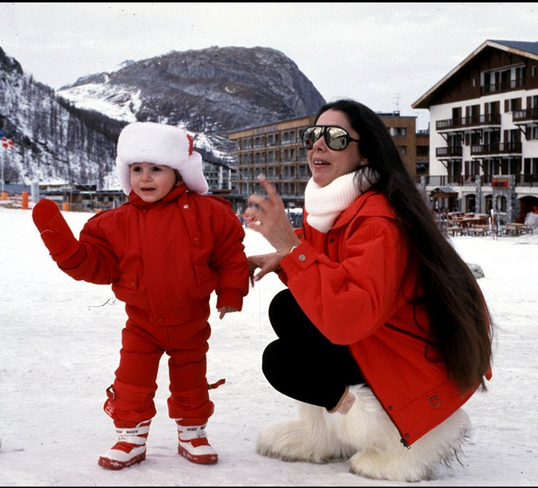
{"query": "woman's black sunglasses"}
(336, 138)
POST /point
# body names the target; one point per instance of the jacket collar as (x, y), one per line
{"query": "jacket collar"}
(174, 194)
(370, 204)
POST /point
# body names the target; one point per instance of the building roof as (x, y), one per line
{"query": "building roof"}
(522, 48)
(444, 189)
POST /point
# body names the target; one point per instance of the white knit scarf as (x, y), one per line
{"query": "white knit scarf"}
(325, 204)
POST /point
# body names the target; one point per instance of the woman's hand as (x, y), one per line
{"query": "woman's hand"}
(266, 263)
(267, 216)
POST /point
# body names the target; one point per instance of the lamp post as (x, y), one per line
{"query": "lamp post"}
(246, 181)
(2, 171)
(6, 144)
(2, 135)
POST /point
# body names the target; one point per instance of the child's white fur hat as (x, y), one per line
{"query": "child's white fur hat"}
(165, 145)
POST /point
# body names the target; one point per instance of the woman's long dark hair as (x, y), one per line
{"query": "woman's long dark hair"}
(459, 319)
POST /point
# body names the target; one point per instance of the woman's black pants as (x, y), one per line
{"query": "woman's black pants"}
(302, 363)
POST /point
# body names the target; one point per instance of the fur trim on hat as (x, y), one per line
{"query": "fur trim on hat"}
(165, 145)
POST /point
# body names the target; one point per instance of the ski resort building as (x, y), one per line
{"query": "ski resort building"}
(484, 132)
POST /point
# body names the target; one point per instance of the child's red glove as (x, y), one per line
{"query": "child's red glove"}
(54, 230)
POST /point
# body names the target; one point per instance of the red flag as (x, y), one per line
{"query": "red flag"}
(7, 143)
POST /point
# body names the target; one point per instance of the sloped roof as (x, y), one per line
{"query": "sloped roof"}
(522, 48)
(445, 189)
(525, 48)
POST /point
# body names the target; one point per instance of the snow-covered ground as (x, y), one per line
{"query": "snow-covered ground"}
(59, 348)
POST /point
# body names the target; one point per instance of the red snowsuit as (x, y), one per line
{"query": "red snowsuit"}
(164, 260)
(369, 289)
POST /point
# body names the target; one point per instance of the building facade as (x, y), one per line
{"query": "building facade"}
(484, 131)
(276, 151)
(84, 198)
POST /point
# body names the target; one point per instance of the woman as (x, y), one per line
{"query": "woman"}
(383, 333)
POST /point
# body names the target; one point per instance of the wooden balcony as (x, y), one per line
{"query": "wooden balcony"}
(445, 152)
(503, 86)
(485, 120)
(528, 115)
(497, 148)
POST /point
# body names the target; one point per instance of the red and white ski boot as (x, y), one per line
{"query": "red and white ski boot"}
(194, 446)
(130, 448)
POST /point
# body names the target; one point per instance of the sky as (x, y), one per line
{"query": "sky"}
(386, 55)
(59, 348)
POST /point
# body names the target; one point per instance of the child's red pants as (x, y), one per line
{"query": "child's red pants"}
(131, 397)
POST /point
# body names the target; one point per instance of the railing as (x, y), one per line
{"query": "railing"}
(527, 114)
(471, 121)
(526, 180)
(485, 180)
(448, 151)
(502, 86)
(497, 148)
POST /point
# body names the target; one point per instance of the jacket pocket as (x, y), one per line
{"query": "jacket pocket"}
(128, 280)
(206, 278)
(202, 273)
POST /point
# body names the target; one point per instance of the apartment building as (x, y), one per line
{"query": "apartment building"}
(423, 153)
(276, 150)
(484, 131)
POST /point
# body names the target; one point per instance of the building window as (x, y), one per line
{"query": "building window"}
(288, 137)
(398, 131)
(501, 203)
(272, 139)
(422, 168)
(533, 71)
(489, 203)
(423, 150)
(470, 203)
(530, 166)
(512, 105)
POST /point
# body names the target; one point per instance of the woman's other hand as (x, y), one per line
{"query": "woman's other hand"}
(266, 263)
(267, 216)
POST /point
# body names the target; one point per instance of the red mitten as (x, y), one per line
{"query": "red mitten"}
(54, 230)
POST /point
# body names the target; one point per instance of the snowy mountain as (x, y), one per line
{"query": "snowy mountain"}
(70, 135)
(209, 90)
(53, 140)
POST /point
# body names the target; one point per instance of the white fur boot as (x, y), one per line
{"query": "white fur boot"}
(304, 439)
(378, 453)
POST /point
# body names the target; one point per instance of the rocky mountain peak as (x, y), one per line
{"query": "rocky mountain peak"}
(216, 89)
(8, 64)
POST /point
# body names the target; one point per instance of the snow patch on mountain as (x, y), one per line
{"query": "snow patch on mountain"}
(113, 101)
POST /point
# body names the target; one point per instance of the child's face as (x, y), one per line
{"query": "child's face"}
(152, 182)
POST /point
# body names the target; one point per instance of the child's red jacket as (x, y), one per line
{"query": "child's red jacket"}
(164, 259)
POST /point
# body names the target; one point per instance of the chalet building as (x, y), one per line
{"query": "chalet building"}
(78, 198)
(484, 131)
(276, 150)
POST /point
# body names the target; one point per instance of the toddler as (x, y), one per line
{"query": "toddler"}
(164, 252)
